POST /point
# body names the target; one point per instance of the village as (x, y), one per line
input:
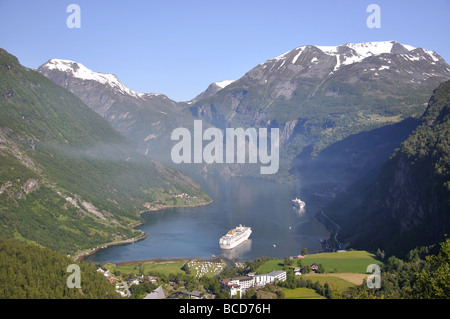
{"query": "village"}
(199, 279)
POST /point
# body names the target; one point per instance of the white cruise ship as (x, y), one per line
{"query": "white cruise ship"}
(235, 237)
(298, 202)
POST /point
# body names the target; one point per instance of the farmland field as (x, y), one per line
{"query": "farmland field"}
(343, 262)
(301, 293)
(268, 266)
(342, 281)
(166, 266)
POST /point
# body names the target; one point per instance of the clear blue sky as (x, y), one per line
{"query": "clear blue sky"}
(179, 47)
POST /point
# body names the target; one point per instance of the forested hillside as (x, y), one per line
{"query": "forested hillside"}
(28, 271)
(68, 180)
(409, 204)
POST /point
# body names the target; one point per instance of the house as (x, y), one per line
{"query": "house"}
(315, 267)
(238, 284)
(192, 294)
(297, 271)
(133, 282)
(103, 271)
(232, 288)
(158, 293)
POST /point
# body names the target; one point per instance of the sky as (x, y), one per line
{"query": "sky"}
(178, 48)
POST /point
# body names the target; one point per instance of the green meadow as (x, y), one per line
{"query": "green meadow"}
(301, 293)
(343, 262)
(165, 267)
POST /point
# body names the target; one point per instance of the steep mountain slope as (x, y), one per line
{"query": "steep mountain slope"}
(28, 271)
(344, 162)
(68, 180)
(409, 204)
(147, 118)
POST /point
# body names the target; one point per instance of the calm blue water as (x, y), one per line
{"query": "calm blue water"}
(194, 232)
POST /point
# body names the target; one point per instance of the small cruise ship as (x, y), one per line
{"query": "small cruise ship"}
(299, 203)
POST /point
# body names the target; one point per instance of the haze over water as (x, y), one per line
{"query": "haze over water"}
(194, 232)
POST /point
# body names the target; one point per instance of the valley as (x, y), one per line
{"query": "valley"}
(363, 139)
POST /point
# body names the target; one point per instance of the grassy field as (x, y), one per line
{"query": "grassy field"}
(268, 266)
(343, 262)
(301, 293)
(342, 281)
(165, 267)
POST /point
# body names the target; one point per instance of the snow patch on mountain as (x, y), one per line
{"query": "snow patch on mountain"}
(223, 84)
(432, 54)
(300, 50)
(374, 48)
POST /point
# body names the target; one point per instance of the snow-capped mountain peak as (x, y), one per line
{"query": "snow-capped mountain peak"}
(81, 72)
(349, 53)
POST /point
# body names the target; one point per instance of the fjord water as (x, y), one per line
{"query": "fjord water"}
(278, 229)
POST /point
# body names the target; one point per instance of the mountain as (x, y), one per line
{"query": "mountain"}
(68, 180)
(319, 95)
(142, 117)
(408, 205)
(212, 89)
(329, 87)
(315, 95)
(296, 83)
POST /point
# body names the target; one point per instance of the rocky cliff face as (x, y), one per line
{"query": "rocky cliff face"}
(409, 204)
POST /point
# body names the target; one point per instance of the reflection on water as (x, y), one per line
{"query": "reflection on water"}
(278, 229)
(299, 211)
(238, 251)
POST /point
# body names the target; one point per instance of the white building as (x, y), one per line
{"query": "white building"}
(276, 275)
(270, 278)
(241, 284)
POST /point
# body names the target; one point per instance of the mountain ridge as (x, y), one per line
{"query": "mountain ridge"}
(327, 94)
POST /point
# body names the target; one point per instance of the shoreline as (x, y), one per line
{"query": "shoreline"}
(167, 260)
(91, 251)
(331, 244)
(82, 255)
